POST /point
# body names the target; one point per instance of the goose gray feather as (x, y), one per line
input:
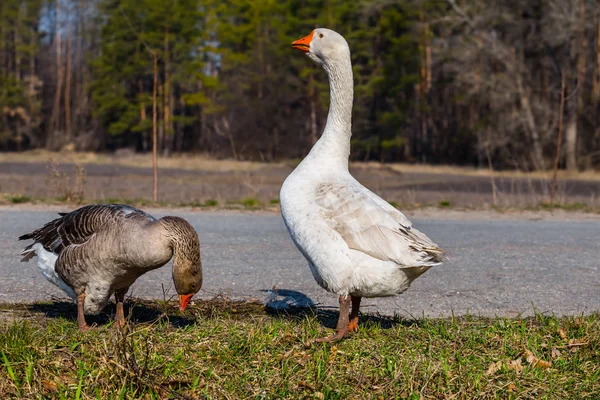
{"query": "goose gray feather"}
(100, 250)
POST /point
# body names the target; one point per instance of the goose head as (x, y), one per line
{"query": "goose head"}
(324, 46)
(187, 277)
(187, 266)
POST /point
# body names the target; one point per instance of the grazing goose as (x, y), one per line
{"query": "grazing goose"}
(98, 250)
(357, 245)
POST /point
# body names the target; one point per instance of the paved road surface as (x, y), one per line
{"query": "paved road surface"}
(500, 267)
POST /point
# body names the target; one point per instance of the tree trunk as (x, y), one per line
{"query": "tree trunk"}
(77, 121)
(425, 71)
(538, 155)
(143, 116)
(32, 95)
(571, 135)
(167, 101)
(3, 46)
(161, 127)
(561, 112)
(154, 117)
(54, 119)
(573, 126)
(68, 93)
(596, 80)
(17, 45)
(179, 128)
(571, 143)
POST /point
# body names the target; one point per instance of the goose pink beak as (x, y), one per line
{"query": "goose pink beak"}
(304, 43)
(184, 300)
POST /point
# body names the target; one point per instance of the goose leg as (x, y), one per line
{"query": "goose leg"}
(342, 324)
(353, 326)
(83, 326)
(120, 315)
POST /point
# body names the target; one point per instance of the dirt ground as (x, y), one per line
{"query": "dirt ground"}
(114, 179)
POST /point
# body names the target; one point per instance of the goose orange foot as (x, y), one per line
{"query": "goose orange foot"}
(343, 323)
(353, 325)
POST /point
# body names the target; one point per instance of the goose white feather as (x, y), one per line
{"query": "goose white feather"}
(355, 242)
(46, 261)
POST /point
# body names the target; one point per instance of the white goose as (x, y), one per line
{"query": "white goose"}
(357, 245)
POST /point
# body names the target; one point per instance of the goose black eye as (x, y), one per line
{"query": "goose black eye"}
(321, 35)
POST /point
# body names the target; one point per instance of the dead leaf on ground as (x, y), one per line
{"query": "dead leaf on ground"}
(562, 333)
(50, 385)
(534, 361)
(512, 387)
(494, 367)
(577, 342)
(555, 353)
(306, 385)
(515, 365)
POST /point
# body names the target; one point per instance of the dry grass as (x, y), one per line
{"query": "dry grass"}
(187, 162)
(484, 172)
(207, 163)
(83, 178)
(221, 349)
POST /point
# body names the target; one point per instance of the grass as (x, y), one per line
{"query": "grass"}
(445, 204)
(17, 198)
(590, 175)
(187, 161)
(566, 206)
(250, 202)
(222, 349)
(208, 163)
(211, 203)
(254, 204)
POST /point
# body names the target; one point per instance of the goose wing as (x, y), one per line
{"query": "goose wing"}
(79, 226)
(369, 224)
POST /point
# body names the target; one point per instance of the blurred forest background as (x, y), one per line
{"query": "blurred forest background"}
(467, 82)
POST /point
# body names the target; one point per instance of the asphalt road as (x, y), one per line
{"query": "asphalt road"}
(496, 267)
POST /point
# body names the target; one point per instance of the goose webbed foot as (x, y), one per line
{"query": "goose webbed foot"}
(343, 324)
(353, 325)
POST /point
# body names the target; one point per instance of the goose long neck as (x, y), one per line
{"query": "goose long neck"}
(335, 141)
(184, 242)
(180, 236)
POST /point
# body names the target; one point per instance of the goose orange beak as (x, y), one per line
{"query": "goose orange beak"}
(184, 300)
(304, 43)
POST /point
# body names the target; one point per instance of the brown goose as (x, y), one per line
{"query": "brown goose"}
(98, 250)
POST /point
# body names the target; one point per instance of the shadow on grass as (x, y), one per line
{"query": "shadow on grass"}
(294, 305)
(281, 303)
(137, 312)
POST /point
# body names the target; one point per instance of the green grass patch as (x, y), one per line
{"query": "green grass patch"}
(564, 206)
(274, 201)
(211, 203)
(445, 204)
(221, 349)
(250, 202)
(198, 204)
(17, 198)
